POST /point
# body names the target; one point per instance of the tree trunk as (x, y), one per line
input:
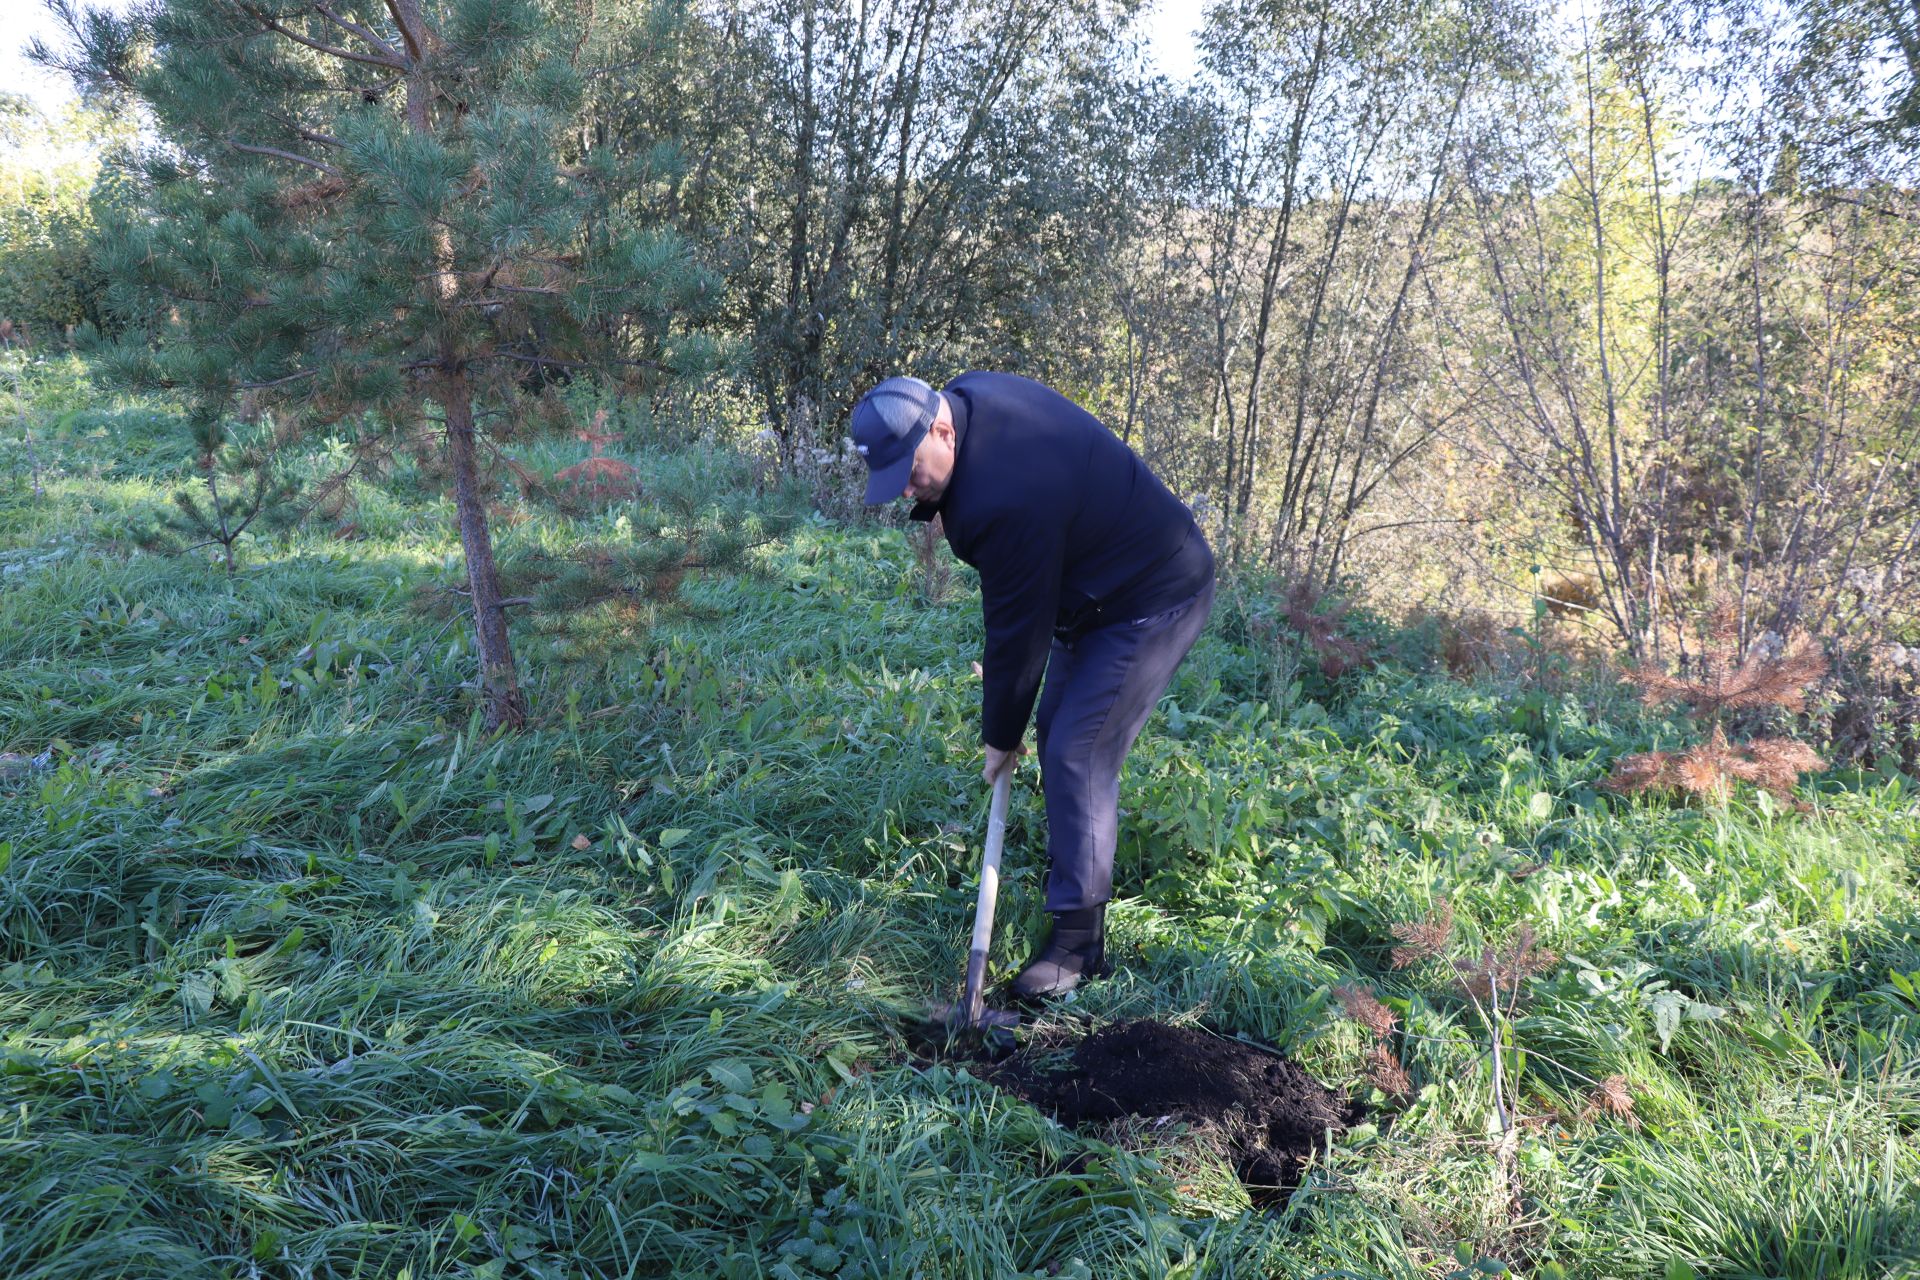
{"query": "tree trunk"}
(499, 681)
(796, 317)
(227, 536)
(506, 707)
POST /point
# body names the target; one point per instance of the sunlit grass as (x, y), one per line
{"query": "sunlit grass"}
(303, 975)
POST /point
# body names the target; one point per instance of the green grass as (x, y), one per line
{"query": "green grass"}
(303, 975)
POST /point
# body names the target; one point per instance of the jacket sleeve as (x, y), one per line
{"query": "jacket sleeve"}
(1020, 561)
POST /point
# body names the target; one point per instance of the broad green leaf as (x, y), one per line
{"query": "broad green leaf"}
(732, 1075)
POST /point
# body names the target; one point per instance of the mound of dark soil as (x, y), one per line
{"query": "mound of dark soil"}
(1272, 1114)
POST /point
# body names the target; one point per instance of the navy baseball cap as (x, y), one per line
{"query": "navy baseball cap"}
(888, 425)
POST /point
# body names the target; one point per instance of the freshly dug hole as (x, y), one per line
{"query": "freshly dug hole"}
(1273, 1115)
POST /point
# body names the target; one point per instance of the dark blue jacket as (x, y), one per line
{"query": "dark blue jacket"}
(1066, 525)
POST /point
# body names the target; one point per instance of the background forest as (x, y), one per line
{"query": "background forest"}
(1480, 302)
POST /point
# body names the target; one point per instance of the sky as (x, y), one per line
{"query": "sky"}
(1168, 25)
(25, 20)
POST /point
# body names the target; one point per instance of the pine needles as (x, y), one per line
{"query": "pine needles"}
(1317, 618)
(1710, 768)
(689, 521)
(597, 480)
(1384, 1069)
(242, 484)
(1772, 674)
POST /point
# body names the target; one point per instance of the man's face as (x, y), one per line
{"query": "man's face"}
(932, 461)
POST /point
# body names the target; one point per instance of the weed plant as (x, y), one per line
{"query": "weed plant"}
(303, 975)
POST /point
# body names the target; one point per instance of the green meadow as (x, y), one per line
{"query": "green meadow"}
(303, 974)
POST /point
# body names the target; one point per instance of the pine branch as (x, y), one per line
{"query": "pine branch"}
(273, 24)
(278, 382)
(365, 33)
(1425, 938)
(295, 157)
(1759, 681)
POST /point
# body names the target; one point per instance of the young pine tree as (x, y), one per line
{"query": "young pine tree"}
(1728, 681)
(396, 209)
(241, 484)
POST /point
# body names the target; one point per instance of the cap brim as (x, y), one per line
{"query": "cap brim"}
(889, 483)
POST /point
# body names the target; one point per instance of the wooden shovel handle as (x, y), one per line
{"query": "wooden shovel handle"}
(989, 894)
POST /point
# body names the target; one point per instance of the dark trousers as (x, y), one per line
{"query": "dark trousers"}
(1100, 689)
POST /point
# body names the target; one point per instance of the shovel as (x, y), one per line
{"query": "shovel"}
(972, 1013)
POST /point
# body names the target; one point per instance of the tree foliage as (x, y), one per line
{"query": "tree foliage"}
(1415, 295)
(243, 482)
(51, 279)
(389, 211)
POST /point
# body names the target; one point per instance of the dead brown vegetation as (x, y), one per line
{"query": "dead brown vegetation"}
(1383, 1068)
(1425, 938)
(1317, 616)
(1710, 768)
(1772, 673)
(599, 479)
(1611, 1098)
(1497, 973)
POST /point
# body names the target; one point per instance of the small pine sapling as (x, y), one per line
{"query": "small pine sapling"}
(1304, 629)
(675, 531)
(1317, 618)
(242, 485)
(25, 428)
(1769, 675)
(598, 480)
(1491, 981)
(1384, 1069)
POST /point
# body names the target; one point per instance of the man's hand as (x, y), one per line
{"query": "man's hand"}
(998, 762)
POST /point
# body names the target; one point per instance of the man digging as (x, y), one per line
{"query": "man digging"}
(1090, 571)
